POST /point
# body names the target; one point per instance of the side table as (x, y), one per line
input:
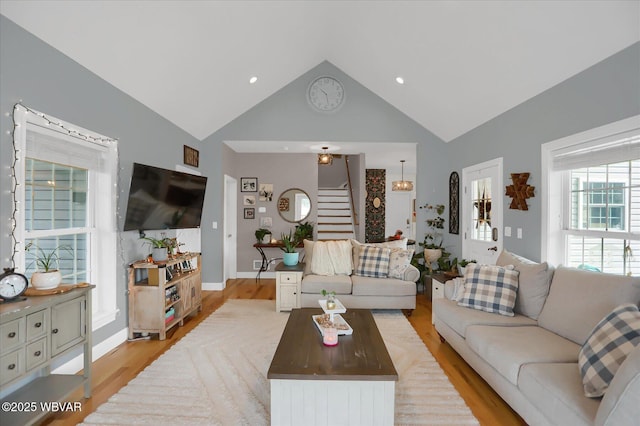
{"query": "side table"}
(288, 286)
(437, 290)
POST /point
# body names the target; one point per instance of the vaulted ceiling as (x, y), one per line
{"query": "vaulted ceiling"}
(463, 62)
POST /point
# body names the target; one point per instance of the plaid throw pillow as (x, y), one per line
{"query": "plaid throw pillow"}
(373, 262)
(612, 339)
(490, 288)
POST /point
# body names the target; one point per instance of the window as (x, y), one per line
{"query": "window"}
(66, 180)
(592, 218)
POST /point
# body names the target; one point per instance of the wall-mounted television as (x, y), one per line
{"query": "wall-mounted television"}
(164, 199)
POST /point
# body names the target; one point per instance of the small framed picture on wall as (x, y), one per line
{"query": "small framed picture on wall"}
(249, 200)
(248, 184)
(249, 213)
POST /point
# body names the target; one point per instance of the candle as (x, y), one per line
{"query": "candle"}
(330, 337)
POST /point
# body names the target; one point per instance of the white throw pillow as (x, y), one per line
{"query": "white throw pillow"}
(399, 261)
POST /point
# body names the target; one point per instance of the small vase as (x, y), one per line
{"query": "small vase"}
(46, 280)
(290, 259)
(331, 302)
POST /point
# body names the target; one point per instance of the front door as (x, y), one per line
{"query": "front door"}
(482, 212)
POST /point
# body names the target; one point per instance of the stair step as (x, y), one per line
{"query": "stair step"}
(331, 192)
(333, 205)
(333, 212)
(338, 220)
(332, 198)
(338, 227)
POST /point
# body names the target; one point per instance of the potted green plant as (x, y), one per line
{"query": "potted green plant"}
(462, 264)
(432, 243)
(289, 244)
(304, 231)
(47, 276)
(159, 248)
(263, 236)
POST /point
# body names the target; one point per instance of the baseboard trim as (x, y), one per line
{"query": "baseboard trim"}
(76, 364)
(267, 274)
(213, 286)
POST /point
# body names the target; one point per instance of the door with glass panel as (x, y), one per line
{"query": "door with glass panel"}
(481, 218)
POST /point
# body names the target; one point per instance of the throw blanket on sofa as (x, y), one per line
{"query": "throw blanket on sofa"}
(331, 258)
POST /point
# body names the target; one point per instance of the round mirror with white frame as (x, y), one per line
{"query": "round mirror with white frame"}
(294, 205)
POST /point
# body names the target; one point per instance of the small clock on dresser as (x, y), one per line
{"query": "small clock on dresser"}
(325, 94)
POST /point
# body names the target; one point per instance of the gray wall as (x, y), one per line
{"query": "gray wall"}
(333, 175)
(286, 116)
(284, 171)
(608, 91)
(46, 80)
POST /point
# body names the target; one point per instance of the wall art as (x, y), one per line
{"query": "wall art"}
(519, 191)
(249, 200)
(266, 192)
(191, 156)
(248, 184)
(454, 203)
(249, 213)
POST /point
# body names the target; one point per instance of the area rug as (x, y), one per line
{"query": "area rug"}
(216, 375)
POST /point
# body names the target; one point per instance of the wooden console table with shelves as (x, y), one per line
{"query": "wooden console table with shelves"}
(34, 333)
(163, 294)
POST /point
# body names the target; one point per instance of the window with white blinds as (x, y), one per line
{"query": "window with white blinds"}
(592, 217)
(66, 190)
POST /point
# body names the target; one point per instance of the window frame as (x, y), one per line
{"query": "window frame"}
(101, 208)
(556, 205)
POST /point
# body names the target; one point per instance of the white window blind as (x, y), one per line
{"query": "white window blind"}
(53, 146)
(607, 150)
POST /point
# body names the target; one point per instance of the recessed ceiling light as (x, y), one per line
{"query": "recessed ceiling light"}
(253, 79)
(399, 80)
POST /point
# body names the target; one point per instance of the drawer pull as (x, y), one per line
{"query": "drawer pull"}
(11, 366)
(12, 335)
(38, 324)
(54, 331)
(37, 353)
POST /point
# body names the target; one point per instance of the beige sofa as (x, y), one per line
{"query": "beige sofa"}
(360, 292)
(531, 359)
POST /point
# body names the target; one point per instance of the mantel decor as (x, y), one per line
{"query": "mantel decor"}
(519, 191)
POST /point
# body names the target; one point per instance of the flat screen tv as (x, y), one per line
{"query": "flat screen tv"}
(164, 199)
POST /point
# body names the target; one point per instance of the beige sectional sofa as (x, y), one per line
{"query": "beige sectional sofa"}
(362, 292)
(531, 359)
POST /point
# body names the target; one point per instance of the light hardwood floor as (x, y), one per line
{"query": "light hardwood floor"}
(118, 367)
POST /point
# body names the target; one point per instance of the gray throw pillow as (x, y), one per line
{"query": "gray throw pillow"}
(533, 283)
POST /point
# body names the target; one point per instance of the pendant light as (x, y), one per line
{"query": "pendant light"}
(402, 185)
(325, 158)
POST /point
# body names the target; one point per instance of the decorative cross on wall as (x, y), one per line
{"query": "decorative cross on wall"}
(519, 191)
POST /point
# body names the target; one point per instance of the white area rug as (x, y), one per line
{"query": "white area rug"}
(216, 375)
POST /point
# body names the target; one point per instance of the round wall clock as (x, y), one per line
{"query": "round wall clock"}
(325, 94)
(12, 284)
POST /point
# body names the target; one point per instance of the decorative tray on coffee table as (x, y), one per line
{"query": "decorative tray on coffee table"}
(332, 316)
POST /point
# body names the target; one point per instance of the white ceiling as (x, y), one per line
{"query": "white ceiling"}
(464, 62)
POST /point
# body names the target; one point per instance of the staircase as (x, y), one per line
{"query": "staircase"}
(335, 219)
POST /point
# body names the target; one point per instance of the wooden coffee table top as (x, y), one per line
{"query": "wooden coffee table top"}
(360, 356)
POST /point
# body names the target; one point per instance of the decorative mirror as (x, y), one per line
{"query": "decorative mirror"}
(294, 205)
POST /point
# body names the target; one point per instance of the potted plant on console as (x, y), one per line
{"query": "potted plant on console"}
(47, 276)
(263, 236)
(289, 244)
